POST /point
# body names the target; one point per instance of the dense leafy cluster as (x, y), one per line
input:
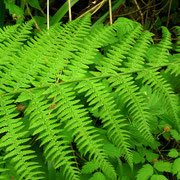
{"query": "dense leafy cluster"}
(78, 102)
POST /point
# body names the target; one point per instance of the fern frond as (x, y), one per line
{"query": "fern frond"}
(136, 56)
(159, 53)
(7, 31)
(134, 102)
(10, 46)
(81, 59)
(145, 172)
(100, 37)
(89, 167)
(44, 58)
(124, 27)
(67, 75)
(14, 141)
(44, 124)
(13, 38)
(111, 118)
(2, 168)
(70, 112)
(159, 84)
(117, 54)
(174, 66)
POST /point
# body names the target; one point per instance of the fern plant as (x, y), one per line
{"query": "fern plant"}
(73, 100)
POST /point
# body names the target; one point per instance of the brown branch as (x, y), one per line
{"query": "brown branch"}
(139, 9)
(94, 9)
(132, 12)
(29, 12)
(169, 11)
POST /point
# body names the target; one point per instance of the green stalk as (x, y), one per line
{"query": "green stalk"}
(61, 12)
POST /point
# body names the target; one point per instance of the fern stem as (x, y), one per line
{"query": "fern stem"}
(91, 78)
(81, 157)
(74, 156)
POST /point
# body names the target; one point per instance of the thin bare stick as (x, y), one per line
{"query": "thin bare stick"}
(42, 11)
(158, 11)
(94, 9)
(48, 14)
(110, 12)
(100, 5)
(142, 17)
(29, 12)
(169, 11)
(129, 13)
(69, 6)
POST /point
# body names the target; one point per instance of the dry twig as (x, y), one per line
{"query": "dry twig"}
(29, 12)
(69, 6)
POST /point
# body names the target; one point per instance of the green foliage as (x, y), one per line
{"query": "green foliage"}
(17, 9)
(173, 153)
(61, 12)
(163, 166)
(176, 167)
(158, 177)
(34, 4)
(78, 102)
(145, 172)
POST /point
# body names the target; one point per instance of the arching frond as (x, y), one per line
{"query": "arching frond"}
(118, 52)
(134, 102)
(75, 117)
(13, 38)
(84, 56)
(112, 120)
(136, 56)
(14, 141)
(158, 54)
(159, 84)
(174, 68)
(44, 124)
(44, 59)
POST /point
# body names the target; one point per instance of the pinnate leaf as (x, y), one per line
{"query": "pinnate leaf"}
(173, 153)
(145, 172)
(176, 168)
(158, 177)
(163, 166)
(89, 167)
(175, 134)
(98, 176)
